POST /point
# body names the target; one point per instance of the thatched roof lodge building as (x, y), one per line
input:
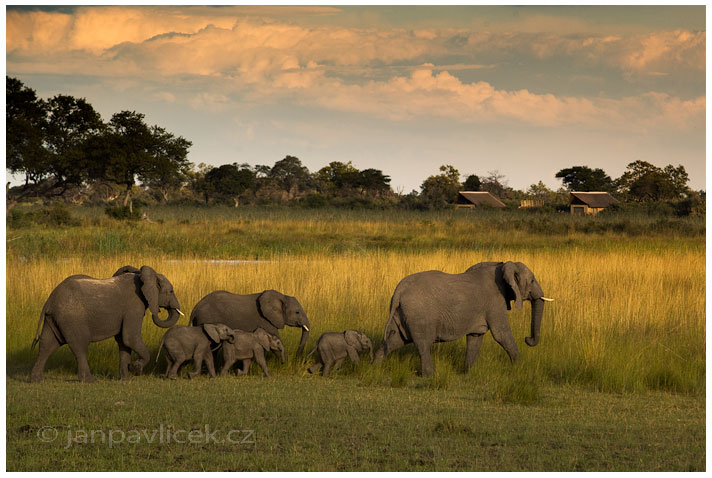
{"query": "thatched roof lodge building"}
(477, 198)
(589, 203)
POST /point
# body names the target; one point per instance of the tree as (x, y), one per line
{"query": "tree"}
(290, 175)
(643, 182)
(472, 183)
(169, 165)
(583, 178)
(440, 190)
(338, 177)
(373, 182)
(71, 124)
(129, 150)
(496, 184)
(230, 180)
(25, 116)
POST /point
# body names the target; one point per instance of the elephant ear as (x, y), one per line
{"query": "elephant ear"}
(510, 273)
(211, 330)
(271, 305)
(263, 338)
(352, 338)
(126, 270)
(150, 288)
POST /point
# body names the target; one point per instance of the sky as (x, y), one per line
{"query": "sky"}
(524, 91)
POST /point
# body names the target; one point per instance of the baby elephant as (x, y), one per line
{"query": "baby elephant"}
(249, 345)
(184, 342)
(334, 347)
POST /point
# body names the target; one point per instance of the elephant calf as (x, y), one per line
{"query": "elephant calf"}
(334, 347)
(184, 342)
(249, 345)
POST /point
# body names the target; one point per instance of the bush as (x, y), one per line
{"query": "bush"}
(124, 212)
(57, 214)
(314, 201)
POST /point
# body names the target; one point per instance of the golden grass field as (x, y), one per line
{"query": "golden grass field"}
(616, 383)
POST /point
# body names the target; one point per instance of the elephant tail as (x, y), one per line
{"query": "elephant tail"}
(39, 327)
(160, 347)
(311, 353)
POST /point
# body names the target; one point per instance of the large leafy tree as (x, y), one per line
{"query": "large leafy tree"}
(130, 150)
(71, 123)
(583, 178)
(472, 183)
(230, 180)
(168, 168)
(26, 120)
(373, 182)
(291, 176)
(439, 190)
(643, 182)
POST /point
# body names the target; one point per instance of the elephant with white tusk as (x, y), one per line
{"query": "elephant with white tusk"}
(433, 306)
(82, 309)
(269, 310)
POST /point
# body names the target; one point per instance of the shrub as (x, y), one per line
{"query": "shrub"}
(57, 214)
(123, 212)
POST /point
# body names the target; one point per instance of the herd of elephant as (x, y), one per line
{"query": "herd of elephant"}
(426, 307)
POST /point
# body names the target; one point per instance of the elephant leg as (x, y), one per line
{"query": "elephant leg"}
(353, 355)
(124, 358)
(315, 368)
(337, 364)
(48, 345)
(502, 333)
(426, 361)
(260, 359)
(172, 371)
(229, 362)
(132, 339)
(210, 363)
(327, 367)
(198, 360)
(474, 341)
(169, 365)
(245, 367)
(80, 349)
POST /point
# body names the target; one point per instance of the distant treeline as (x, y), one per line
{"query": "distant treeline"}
(65, 151)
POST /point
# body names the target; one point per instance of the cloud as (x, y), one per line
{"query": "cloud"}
(395, 73)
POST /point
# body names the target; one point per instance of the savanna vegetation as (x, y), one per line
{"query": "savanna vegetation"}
(617, 382)
(64, 150)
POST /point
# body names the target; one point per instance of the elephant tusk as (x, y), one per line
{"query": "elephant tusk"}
(181, 313)
(306, 328)
(547, 299)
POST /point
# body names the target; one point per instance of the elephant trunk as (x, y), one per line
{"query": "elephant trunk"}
(537, 313)
(283, 355)
(370, 352)
(305, 336)
(173, 316)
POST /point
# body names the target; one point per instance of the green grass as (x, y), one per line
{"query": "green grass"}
(617, 382)
(338, 424)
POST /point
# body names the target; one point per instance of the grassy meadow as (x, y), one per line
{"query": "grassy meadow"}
(616, 383)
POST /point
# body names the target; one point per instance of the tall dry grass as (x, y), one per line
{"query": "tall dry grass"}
(622, 320)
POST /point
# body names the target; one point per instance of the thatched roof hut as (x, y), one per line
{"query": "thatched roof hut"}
(477, 198)
(592, 202)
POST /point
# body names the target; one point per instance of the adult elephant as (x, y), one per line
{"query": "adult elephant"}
(82, 309)
(433, 306)
(270, 310)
